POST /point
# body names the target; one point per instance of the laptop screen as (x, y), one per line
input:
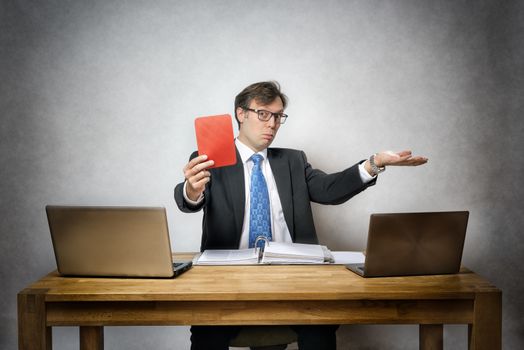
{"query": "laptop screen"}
(402, 244)
(110, 241)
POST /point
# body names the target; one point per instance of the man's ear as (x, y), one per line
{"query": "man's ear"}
(241, 114)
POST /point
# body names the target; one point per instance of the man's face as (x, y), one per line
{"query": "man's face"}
(255, 133)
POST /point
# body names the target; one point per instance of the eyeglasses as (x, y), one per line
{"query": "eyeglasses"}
(263, 115)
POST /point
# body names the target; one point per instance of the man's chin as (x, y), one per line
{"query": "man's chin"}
(267, 142)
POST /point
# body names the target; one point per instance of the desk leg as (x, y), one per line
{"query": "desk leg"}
(431, 337)
(91, 338)
(33, 333)
(486, 331)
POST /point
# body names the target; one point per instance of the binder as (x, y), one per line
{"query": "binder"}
(272, 253)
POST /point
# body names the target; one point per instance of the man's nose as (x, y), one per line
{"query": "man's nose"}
(272, 121)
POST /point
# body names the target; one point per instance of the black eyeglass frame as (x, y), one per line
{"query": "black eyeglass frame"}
(280, 118)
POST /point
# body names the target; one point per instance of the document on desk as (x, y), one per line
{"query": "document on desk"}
(273, 253)
(295, 253)
(229, 257)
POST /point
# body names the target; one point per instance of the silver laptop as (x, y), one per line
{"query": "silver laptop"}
(414, 244)
(112, 242)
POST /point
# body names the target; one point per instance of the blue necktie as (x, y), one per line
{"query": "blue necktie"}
(259, 213)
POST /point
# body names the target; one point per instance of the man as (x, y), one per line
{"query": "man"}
(268, 192)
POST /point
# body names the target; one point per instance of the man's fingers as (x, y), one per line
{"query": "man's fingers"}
(199, 167)
(400, 158)
(404, 158)
(196, 188)
(419, 160)
(199, 176)
(196, 160)
(413, 161)
(195, 169)
(200, 185)
(196, 174)
(404, 153)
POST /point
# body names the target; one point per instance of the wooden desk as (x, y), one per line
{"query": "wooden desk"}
(261, 295)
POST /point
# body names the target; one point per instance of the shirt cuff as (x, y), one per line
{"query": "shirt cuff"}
(364, 175)
(192, 202)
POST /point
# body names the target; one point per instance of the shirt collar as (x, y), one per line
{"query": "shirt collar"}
(246, 152)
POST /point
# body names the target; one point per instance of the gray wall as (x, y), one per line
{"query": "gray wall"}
(97, 100)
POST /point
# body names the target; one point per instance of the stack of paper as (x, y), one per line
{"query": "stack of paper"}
(229, 257)
(293, 253)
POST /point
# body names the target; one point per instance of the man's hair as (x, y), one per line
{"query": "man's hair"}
(263, 93)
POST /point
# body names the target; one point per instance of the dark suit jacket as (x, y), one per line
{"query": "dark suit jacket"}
(298, 185)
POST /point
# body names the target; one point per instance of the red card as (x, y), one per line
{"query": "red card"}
(215, 138)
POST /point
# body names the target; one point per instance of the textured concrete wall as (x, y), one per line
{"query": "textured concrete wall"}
(97, 100)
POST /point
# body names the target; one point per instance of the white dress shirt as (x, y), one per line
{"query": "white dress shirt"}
(279, 229)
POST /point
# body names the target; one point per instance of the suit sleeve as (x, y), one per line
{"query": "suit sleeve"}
(182, 204)
(333, 188)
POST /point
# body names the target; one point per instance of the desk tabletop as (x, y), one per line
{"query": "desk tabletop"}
(262, 282)
(261, 295)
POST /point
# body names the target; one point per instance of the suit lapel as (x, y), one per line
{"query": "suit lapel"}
(234, 176)
(282, 174)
